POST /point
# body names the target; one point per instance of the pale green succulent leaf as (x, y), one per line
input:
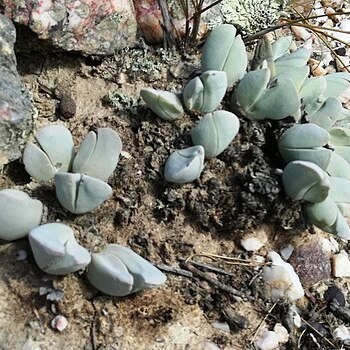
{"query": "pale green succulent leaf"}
(295, 59)
(344, 209)
(119, 271)
(340, 190)
(327, 216)
(343, 151)
(311, 94)
(327, 115)
(80, 193)
(304, 136)
(145, 275)
(339, 136)
(55, 249)
(166, 105)
(305, 180)
(37, 164)
(193, 95)
(263, 54)
(19, 214)
(280, 46)
(337, 83)
(109, 274)
(98, 154)
(320, 156)
(215, 131)
(297, 76)
(223, 51)
(278, 101)
(338, 166)
(251, 87)
(323, 214)
(57, 142)
(204, 93)
(184, 165)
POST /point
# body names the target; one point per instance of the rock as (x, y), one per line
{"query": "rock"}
(341, 264)
(59, 323)
(268, 340)
(281, 281)
(310, 262)
(341, 333)
(286, 252)
(16, 110)
(103, 27)
(91, 27)
(253, 242)
(281, 333)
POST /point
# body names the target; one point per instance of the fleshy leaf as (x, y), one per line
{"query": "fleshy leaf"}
(184, 165)
(98, 154)
(56, 251)
(215, 131)
(19, 214)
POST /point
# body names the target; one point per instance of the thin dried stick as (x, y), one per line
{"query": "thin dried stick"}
(234, 292)
(262, 322)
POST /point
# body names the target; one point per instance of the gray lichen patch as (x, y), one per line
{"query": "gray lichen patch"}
(250, 15)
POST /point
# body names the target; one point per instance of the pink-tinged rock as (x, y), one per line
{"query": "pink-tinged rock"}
(97, 27)
(310, 262)
(59, 323)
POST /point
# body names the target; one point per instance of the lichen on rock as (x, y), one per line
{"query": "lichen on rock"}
(250, 15)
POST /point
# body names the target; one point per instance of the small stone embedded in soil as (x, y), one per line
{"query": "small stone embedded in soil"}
(268, 340)
(59, 323)
(311, 263)
(253, 242)
(341, 264)
(21, 255)
(67, 107)
(334, 292)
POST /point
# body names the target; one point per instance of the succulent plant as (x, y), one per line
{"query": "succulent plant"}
(119, 271)
(328, 217)
(184, 165)
(166, 105)
(261, 97)
(224, 51)
(55, 249)
(204, 93)
(80, 193)
(98, 154)
(53, 153)
(19, 214)
(215, 131)
(305, 180)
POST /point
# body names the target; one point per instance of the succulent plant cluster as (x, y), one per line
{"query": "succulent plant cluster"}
(203, 95)
(116, 270)
(316, 147)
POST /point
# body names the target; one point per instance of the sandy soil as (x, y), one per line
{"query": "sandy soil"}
(238, 193)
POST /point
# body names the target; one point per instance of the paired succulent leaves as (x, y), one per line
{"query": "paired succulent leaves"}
(53, 157)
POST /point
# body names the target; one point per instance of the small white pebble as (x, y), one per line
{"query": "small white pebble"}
(286, 252)
(341, 333)
(21, 255)
(59, 323)
(281, 281)
(253, 242)
(329, 245)
(125, 154)
(268, 340)
(281, 332)
(341, 264)
(208, 345)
